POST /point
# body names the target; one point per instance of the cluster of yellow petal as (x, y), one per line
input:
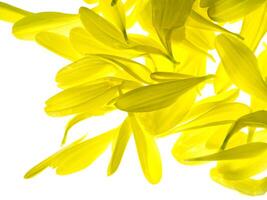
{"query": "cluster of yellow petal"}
(157, 77)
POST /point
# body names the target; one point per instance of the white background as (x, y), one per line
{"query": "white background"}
(28, 135)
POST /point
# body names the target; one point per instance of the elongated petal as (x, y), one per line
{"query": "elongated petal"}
(11, 13)
(212, 101)
(193, 143)
(217, 115)
(230, 10)
(58, 44)
(168, 76)
(29, 26)
(170, 14)
(83, 71)
(135, 69)
(241, 66)
(80, 117)
(115, 13)
(120, 143)
(243, 168)
(157, 96)
(254, 27)
(80, 99)
(195, 20)
(240, 152)
(255, 119)
(148, 153)
(74, 157)
(247, 186)
(101, 29)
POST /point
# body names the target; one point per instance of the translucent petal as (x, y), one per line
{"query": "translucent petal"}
(148, 153)
(29, 26)
(195, 20)
(11, 13)
(217, 115)
(247, 186)
(81, 99)
(241, 65)
(255, 119)
(119, 145)
(101, 29)
(240, 152)
(82, 71)
(58, 44)
(80, 117)
(76, 156)
(157, 96)
(254, 27)
(230, 10)
(135, 69)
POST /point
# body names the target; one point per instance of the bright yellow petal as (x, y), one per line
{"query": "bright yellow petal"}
(101, 29)
(29, 26)
(119, 145)
(157, 96)
(241, 66)
(81, 99)
(58, 44)
(148, 153)
(230, 10)
(11, 13)
(240, 152)
(254, 27)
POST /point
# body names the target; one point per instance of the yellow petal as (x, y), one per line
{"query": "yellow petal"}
(58, 44)
(81, 99)
(247, 186)
(212, 101)
(243, 168)
(230, 10)
(11, 13)
(76, 156)
(254, 27)
(115, 13)
(241, 66)
(255, 119)
(192, 143)
(160, 122)
(148, 153)
(101, 29)
(157, 96)
(218, 115)
(240, 152)
(168, 76)
(119, 145)
(82, 71)
(168, 15)
(135, 69)
(195, 20)
(80, 117)
(29, 26)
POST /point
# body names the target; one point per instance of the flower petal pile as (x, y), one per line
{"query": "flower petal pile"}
(157, 76)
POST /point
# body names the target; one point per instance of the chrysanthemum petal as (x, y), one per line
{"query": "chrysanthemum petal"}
(11, 13)
(119, 145)
(29, 26)
(58, 44)
(101, 29)
(230, 10)
(241, 65)
(148, 153)
(240, 152)
(157, 96)
(81, 99)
